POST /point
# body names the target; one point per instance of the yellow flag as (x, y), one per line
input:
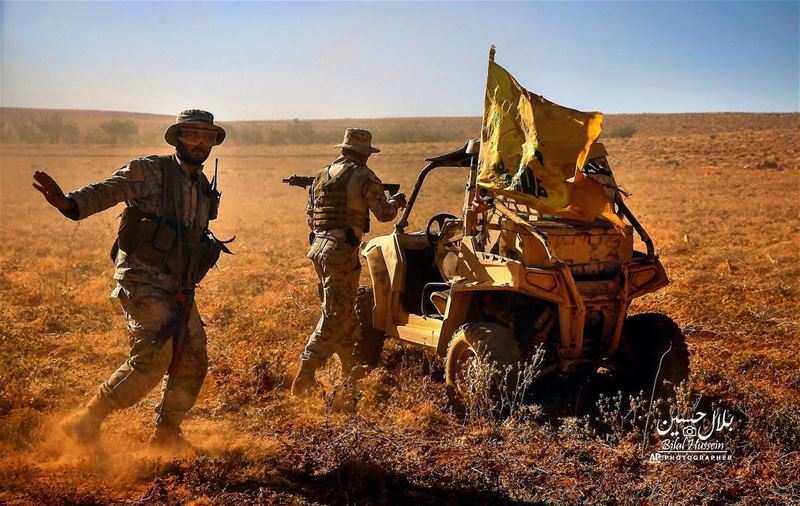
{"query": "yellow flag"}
(532, 150)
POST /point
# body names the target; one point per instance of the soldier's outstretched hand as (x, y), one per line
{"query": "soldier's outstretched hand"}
(51, 191)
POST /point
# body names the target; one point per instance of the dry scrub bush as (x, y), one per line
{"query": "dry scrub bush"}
(621, 132)
(489, 391)
(619, 416)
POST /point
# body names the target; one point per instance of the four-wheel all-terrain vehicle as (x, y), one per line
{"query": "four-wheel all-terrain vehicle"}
(507, 282)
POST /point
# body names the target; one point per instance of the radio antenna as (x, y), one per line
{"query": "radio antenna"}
(214, 179)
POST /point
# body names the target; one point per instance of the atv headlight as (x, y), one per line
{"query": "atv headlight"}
(546, 282)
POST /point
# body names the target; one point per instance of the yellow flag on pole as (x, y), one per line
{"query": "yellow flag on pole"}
(533, 150)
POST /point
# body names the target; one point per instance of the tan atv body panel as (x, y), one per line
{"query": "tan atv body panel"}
(589, 272)
(481, 272)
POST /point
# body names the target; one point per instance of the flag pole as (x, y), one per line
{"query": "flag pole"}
(472, 185)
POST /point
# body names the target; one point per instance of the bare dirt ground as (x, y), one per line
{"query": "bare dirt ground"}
(725, 219)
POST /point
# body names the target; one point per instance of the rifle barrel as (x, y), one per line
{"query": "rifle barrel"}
(306, 181)
(214, 179)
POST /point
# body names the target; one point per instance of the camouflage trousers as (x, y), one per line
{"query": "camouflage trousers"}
(338, 270)
(148, 308)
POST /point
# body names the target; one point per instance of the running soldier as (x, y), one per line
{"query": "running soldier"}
(163, 249)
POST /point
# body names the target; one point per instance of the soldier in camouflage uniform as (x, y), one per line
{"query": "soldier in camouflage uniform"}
(169, 204)
(338, 209)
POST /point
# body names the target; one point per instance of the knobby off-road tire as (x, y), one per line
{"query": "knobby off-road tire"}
(368, 343)
(645, 339)
(484, 341)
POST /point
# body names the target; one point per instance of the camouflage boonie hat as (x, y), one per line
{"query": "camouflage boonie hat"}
(359, 140)
(194, 118)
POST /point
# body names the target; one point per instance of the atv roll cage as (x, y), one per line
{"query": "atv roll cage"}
(467, 157)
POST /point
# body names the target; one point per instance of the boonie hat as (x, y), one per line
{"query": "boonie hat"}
(194, 118)
(359, 140)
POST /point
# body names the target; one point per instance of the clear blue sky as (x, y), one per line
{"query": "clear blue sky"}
(332, 60)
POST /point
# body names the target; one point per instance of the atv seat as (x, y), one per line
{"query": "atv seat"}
(446, 249)
(434, 299)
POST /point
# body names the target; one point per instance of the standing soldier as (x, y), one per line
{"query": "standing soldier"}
(339, 203)
(162, 251)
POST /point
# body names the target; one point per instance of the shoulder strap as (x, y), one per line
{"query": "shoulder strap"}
(205, 185)
(173, 199)
(168, 190)
(324, 175)
(345, 173)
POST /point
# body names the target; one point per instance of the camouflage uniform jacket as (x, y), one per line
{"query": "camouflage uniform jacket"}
(364, 192)
(139, 184)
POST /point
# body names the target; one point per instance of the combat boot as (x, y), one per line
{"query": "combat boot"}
(168, 436)
(304, 383)
(352, 371)
(84, 426)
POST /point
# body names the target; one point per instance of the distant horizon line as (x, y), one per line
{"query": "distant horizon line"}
(372, 117)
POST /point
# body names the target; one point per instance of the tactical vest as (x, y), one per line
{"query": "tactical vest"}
(187, 252)
(330, 202)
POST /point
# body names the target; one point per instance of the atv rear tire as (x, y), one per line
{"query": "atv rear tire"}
(646, 338)
(368, 343)
(477, 341)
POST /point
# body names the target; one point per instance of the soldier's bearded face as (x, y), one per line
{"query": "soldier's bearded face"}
(193, 154)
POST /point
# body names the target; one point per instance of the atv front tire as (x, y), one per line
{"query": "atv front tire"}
(472, 342)
(652, 351)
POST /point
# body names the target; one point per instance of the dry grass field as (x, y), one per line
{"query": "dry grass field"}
(719, 195)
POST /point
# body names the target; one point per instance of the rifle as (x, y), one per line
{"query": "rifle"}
(185, 300)
(306, 181)
(177, 329)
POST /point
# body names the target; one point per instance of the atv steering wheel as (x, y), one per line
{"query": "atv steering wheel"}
(439, 219)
